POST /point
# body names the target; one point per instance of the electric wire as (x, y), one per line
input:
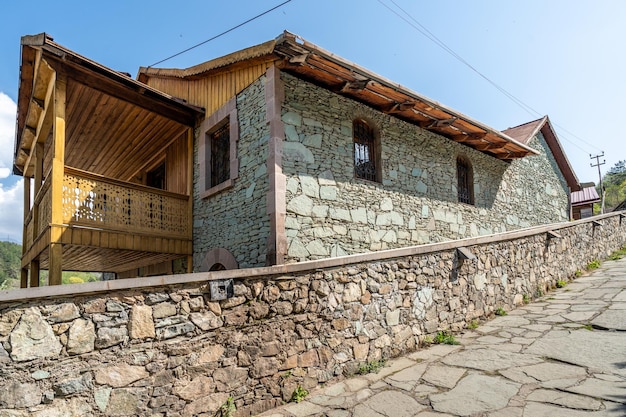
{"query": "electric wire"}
(221, 34)
(415, 24)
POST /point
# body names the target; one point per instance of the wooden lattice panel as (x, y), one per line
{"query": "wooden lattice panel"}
(45, 214)
(109, 204)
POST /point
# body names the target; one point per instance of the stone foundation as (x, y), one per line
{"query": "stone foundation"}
(161, 347)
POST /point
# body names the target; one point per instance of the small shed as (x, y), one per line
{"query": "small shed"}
(582, 202)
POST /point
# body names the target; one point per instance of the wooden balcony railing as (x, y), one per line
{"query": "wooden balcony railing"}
(95, 201)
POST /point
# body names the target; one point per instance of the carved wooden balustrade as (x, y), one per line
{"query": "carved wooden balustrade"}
(95, 201)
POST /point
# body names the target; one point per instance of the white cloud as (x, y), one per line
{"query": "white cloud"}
(11, 194)
(8, 109)
(11, 212)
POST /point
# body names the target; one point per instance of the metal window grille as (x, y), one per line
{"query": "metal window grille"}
(365, 159)
(220, 155)
(464, 187)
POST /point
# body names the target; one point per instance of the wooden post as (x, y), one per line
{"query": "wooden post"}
(190, 194)
(34, 273)
(56, 184)
(24, 271)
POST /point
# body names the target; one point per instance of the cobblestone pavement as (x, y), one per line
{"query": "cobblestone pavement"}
(564, 355)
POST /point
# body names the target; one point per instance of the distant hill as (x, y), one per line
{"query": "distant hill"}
(10, 264)
(10, 255)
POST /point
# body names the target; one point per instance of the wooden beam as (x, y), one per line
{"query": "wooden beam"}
(34, 273)
(24, 278)
(56, 185)
(24, 271)
(299, 59)
(442, 122)
(486, 146)
(399, 107)
(354, 86)
(44, 124)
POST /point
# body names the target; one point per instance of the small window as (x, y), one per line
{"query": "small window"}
(156, 177)
(220, 155)
(465, 186)
(366, 158)
(217, 156)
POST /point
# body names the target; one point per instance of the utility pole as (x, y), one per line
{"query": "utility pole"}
(598, 163)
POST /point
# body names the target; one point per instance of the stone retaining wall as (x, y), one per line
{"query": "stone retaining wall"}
(161, 347)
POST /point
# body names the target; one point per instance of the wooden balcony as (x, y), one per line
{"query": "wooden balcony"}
(109, 225)
(89, 139)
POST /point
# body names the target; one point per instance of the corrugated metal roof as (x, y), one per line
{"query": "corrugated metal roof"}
(585, 196)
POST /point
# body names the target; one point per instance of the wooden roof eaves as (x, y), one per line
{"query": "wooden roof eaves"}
(35, 48)
(66, 56)
(261, 53)
(301, 48)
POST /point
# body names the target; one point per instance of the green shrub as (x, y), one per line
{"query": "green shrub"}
(446, 338)
(299, 394)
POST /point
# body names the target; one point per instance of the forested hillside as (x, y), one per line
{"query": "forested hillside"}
(10, 254)
(614, 185)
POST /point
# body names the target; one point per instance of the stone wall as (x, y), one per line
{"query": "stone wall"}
(236, 219)
(160, 346)
(330, 213)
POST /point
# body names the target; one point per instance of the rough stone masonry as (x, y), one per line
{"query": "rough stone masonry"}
(169, 350)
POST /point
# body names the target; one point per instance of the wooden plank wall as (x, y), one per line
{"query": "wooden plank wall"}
(211, 91)
(176, 166)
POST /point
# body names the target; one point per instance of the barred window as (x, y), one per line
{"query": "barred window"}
(465, 186)
(220, 155)
(366, 158)
(217, 153)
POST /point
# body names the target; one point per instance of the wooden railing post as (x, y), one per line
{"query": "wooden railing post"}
(24, 271)
(56, 185)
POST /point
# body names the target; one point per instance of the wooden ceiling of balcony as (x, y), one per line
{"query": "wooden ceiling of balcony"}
(114, 125)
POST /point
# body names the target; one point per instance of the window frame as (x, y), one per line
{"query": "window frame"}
(465, 181)
(371, 145)
(225, 114)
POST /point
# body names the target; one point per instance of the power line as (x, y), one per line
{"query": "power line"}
(221, 34)
(415, 24)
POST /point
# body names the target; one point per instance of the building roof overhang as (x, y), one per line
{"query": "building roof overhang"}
(325, 69)
(42, 60)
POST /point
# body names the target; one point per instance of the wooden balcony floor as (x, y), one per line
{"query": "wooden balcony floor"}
(90, 259)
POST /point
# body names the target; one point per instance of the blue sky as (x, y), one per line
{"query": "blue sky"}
(564, 58)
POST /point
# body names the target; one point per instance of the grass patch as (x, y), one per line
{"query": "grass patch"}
(299, 394)
(372, 367)
(501, 312)
(578, 273)
(427, 341)
(473, 325)
(588, 327)
(228, 408)
(446, 338)
(526, 298)
(595, 264)
(561, 283)
(618, 254)
(539, 293)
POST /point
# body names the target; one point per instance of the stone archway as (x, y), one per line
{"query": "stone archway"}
(218, 259)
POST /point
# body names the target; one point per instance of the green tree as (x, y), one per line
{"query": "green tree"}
(614, 182)
(10, 262)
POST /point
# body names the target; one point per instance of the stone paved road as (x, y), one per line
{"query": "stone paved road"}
(564, 355)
